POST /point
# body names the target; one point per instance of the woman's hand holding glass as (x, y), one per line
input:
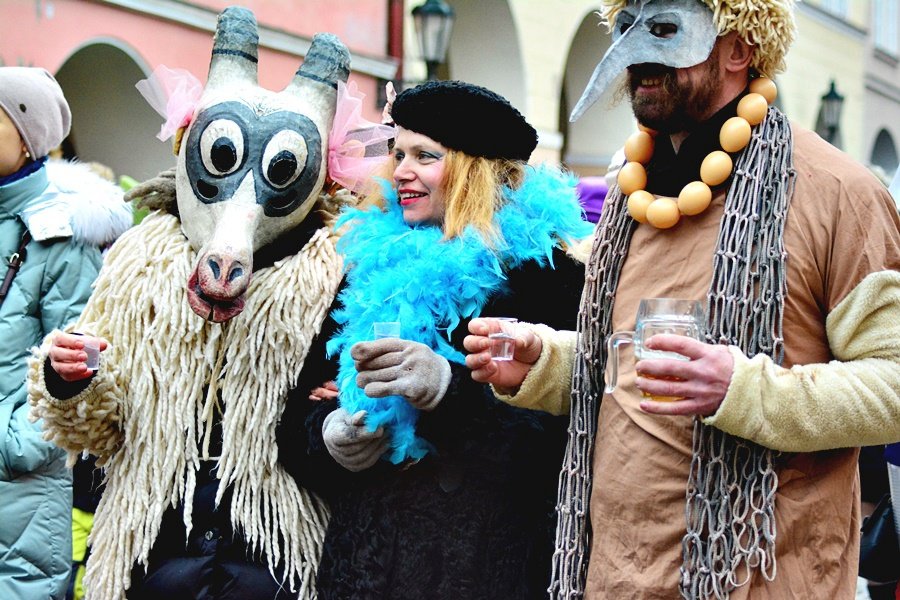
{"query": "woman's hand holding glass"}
(506, 375)
(397, 367)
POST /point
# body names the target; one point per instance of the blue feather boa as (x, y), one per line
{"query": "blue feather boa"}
(398, 272)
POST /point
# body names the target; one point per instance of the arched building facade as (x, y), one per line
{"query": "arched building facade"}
(541, 54)
(538, 54)
(98, 50)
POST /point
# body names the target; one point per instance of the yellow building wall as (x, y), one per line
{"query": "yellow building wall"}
(546, 29)
(820, 54)
(860, 11)
(857, 11)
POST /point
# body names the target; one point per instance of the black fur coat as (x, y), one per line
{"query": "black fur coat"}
(476, 518)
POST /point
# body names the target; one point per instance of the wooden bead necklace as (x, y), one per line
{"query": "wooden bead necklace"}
(715, 169)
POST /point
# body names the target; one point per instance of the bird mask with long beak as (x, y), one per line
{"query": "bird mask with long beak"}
(679, 34)
(673, 33)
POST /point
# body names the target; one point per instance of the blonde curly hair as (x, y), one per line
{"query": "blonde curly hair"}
(473, 189)
(768, 25)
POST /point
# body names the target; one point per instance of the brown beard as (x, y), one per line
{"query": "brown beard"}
(679, 106)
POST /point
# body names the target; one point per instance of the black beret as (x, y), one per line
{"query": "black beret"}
(465, 117)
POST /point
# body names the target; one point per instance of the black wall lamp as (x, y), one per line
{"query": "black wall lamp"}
(832, 106)
(433, 22)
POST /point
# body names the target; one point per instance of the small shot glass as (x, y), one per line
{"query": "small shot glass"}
(92, 350)
(386, 329)
(502, 333)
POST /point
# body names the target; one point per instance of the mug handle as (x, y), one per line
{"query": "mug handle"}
(612, 359)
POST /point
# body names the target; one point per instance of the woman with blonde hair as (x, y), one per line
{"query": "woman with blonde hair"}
(440, 490)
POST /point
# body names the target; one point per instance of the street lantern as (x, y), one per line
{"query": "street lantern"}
(434, 22)
(832, 105)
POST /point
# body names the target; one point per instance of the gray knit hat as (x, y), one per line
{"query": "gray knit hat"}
(36, 105)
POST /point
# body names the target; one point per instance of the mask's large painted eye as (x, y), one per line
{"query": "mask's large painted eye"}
(222, 147)
(284, 158)
(623, 23)
(663, 30)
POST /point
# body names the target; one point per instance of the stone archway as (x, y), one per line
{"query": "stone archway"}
(590, 143)
(495, 61)
(111, 122)
(884, 153)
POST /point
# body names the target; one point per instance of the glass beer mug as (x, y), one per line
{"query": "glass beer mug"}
(655, 316)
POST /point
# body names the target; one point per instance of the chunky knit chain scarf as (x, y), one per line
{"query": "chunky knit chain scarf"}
(732, 483)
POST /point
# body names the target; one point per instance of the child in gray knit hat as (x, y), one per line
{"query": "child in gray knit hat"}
(35, 105)
(52, 226)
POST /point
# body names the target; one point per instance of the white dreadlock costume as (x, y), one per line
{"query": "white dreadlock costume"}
(797, 258)
(173, 386)
(149, 409)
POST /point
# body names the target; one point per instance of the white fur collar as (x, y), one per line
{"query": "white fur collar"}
(98, 214)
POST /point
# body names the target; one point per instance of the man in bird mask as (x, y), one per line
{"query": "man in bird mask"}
(793, 250)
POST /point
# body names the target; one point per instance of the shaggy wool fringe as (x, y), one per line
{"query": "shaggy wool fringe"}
(88, 421)
(164, 357)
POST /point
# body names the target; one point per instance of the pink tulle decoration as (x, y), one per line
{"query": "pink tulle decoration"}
(356, 146)
(174, 94)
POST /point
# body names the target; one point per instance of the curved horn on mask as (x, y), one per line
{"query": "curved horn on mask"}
(235, 49)
(326, 63)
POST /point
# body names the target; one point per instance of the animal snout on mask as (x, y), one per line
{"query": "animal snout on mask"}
(217, 284)
(223, 277)
(224, 266)
(253, 162)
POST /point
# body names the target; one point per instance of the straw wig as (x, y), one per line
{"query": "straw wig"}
(766, 24)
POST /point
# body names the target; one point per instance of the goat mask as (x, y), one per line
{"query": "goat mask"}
(253, 161)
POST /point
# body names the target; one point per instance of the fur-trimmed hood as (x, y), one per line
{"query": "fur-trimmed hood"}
(97, 213)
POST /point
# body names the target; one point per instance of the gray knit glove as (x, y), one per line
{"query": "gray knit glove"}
(397, 367)
(350, 442)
